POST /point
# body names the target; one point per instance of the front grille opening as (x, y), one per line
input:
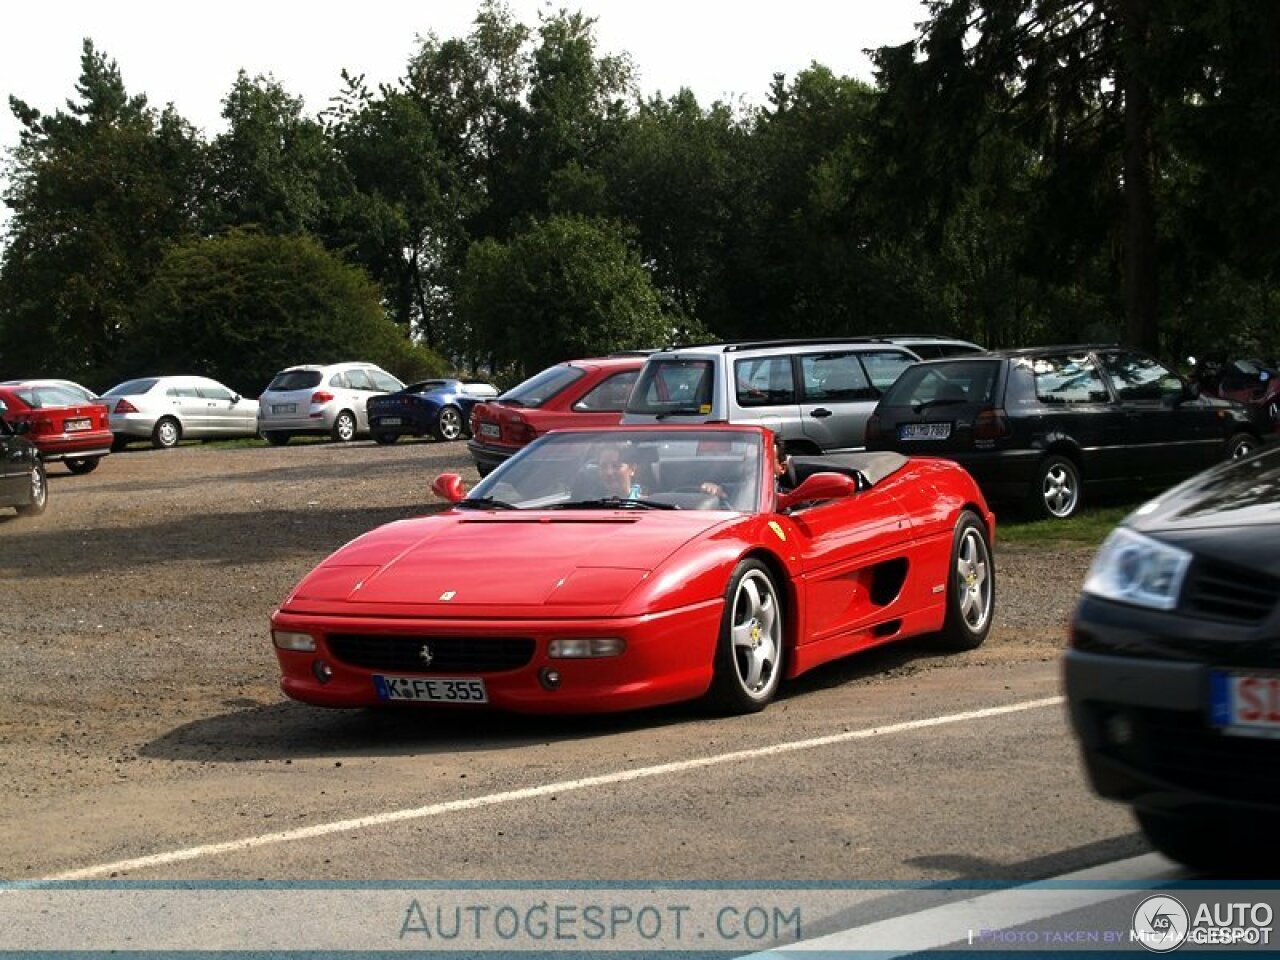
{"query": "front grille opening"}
(430, 654)
(1220, 591)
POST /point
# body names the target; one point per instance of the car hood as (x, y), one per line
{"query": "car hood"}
(1231, 512)
(461, 562)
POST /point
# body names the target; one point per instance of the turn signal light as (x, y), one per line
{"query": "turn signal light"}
(292, 640)
(581, 648)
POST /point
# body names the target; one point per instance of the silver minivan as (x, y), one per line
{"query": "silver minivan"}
(816, 393)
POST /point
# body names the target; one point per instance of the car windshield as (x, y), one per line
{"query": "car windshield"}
(673, 386)
(629, 469)
(132, 387)
(944, 382)
(541, 387)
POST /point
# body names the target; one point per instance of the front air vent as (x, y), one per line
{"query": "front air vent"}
(429, 654)
(1218, 591)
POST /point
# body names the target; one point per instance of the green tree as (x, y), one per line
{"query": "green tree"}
(241, 306)
(97, 192)
(567, 287)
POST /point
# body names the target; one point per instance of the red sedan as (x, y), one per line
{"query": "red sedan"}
(577, 393)
(64, 421)
(595, 571)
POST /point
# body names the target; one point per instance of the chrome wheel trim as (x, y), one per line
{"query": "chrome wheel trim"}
(1060, 490)
(973, 580)
(167, 433)
(450, 422)
(39, 487)
(344, 427)
(1242, 449)
(756, 634)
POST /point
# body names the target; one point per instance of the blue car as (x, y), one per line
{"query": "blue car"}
(440, 408)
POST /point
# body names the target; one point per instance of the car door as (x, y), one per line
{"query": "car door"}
(1074, 407)
(191, 409)
(1168, 432)
(836, 398)
(13, 462)
(225, 417)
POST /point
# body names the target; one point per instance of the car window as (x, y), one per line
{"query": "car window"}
(132, 387)
(386, 382)
(1138, 377)
(959, 381)
(295, 380)
(884, 366)
(182, 390)
(673, 384)
(1068, 378)
(213, 391)
(609, 395)
(834, 377)
(360, 380)
(764, 381)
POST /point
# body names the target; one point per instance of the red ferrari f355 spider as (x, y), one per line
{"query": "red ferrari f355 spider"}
(603, 570)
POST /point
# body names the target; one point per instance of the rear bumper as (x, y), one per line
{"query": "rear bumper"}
(74, 446)
(487, 456)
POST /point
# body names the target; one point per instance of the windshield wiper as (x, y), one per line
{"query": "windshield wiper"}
(623, 503)
(681, 412)
(485, 503)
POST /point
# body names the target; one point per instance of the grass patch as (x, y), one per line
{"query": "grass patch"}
(1089, 526)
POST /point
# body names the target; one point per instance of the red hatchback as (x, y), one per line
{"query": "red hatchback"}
(64, 421)
(577, 393)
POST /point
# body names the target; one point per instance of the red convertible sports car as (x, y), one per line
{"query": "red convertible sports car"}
(594, 572)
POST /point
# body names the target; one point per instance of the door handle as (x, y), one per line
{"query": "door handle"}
(820, 412)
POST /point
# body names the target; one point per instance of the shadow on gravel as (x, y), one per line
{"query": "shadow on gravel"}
(293, 731)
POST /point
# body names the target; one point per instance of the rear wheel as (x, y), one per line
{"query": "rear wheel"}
(1240, 445)
(38, 490)
(344, 427)
(275, 437)
(166, 434)
(971, 587)
(749, 652)
(80, 465)
(1057, 489)
(448, 425)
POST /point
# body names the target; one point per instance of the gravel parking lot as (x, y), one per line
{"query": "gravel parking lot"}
(138, 602)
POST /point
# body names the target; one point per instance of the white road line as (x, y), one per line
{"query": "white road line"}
(529, 793)
(1015, 907)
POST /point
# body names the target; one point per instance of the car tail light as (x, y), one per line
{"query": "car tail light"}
(521, 431)
(991, 425)
(873, 428)
(321, 396)
(124, 406)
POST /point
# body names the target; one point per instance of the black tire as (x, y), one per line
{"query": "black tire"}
(344, 427)
(750, 649)
(483, 470)
(81, 465)
(1240, 445)
(1057, 492)
(1207, 842)
(166, 433)
(448, 425)
(386, 439)
(118, 443)
(275, 437)
(971, 586)
(39, 482)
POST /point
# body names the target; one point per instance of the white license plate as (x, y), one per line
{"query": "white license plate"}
(924, 431)
(284, 408)
(1245, 704)
(71, 426)
(490, 430)
(389, 421)
(432, 689)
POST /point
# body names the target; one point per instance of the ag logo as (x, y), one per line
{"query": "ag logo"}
(1160, 923)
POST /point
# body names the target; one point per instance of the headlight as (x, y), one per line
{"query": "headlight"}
(291, 640)
(579, 648)
(1131, 568)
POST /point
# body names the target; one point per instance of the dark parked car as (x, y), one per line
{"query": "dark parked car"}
(1173, 674)
(23, 484)
(1040, 425)
(1254, 383)
(437, 408)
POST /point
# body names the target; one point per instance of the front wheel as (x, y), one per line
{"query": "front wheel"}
(79, 465)
(1057, 489)
(1240, 445)
(37, 490)
(344, 427)
(749, 651)
(448, 425)
(971, 586)
(166, 434)
(1205, 842)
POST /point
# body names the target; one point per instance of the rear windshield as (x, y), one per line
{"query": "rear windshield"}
(673, 385)
(51, 396)
(948, 381)
(132, 388)
(295, 380)
(541, 387)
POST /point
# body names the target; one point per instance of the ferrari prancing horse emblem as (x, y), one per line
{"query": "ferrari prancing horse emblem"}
(425, 654)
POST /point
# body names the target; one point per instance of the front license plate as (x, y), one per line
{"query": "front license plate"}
(284, 408)
(389, 421)
(432, 689)
(490, 430)
(71, 426)
(1245, 704)
(924, 431)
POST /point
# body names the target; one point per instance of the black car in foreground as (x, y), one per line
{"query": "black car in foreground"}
(23, 484)
(1173, 672)
(1039, 426)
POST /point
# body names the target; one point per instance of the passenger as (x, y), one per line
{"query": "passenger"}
(781, 475)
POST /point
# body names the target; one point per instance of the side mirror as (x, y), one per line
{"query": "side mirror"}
(448, 486)
(819, 486)
(1192, 390)
(235, 398)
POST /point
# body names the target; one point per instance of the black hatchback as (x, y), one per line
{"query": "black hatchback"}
(1040, 425)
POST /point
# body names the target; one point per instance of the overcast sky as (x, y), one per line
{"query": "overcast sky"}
(188, 52)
